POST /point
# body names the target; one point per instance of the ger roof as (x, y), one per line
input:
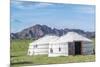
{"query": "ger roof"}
(72, 36)
(46, 39)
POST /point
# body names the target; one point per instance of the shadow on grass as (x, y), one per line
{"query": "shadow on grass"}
(16, 55)
(13, 56)
(21, 63)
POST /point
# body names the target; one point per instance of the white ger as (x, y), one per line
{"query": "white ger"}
(70, 44)
(41, 46)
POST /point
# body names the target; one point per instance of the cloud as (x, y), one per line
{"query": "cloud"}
(16, 4)
(41, 5)
(29, 5)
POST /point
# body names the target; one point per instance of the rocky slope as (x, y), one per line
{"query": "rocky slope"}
(38, 31)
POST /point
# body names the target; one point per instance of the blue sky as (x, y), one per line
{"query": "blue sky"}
(26, 14)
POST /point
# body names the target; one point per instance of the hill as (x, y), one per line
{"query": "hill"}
(38, 31)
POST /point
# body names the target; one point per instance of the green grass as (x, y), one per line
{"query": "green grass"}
(19, 56)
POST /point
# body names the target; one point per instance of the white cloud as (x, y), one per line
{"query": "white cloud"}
(88, 2)
(17, 4)
(29, 5)
(43, 5)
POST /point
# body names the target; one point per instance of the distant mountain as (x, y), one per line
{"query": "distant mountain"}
(38, 31)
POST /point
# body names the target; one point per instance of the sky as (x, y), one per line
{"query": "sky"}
(54, 15)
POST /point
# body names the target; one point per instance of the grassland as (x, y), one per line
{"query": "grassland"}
(19, 56)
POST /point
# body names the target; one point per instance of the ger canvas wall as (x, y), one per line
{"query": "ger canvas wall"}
(87, 48)
(59, 49)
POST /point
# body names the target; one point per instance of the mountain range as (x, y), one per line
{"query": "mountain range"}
(37, 31)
